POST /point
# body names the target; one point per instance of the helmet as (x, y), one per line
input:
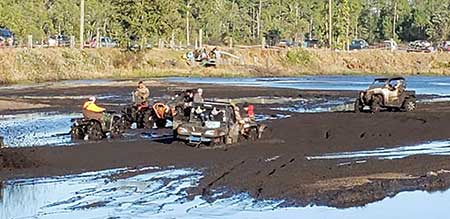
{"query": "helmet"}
(200, 91)
(93, 99)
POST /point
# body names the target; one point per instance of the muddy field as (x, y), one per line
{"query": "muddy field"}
(336, 158)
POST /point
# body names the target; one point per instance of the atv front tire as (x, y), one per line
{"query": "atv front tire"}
(359, 107)
(77, 133)
(375, 107)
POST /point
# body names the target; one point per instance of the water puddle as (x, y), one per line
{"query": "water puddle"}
(319, 105)
(162, 194)
(430, 148)
(36, 129)
(264, 117)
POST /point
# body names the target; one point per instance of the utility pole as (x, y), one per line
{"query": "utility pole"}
(258, 24)
(330, 28)
(394, 20)
(82, 24)
(188, 43)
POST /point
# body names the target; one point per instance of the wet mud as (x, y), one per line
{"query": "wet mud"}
(274, 168)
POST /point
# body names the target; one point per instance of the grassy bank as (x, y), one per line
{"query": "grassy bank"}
(40, 65)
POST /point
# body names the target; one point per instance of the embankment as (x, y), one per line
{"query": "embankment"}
(39, 65)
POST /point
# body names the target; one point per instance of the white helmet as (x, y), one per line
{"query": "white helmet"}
(200, 91)
(93, 99)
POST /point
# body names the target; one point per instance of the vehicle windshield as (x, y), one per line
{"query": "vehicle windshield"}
(378, 83)
(210, 115)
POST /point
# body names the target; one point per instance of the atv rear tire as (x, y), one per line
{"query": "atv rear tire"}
(94, 131)
(147, 120)
(359, 107)
(161, 123)
(409, 105)
(117, 128)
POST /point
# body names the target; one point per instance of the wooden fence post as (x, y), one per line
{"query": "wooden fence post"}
(72, 42)
(200, 36)
(30, 41)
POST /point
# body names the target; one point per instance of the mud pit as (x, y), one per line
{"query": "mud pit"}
(275, 168)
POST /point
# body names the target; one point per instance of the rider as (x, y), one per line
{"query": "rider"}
(92, 111)
(141, 95)
(250, 111)
(198, 97)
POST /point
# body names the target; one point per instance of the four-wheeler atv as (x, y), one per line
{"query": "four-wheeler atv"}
(97, 128)
(387, 93)
(215, 123)
(147, 116)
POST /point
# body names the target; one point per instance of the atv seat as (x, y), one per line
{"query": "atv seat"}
(92, 115)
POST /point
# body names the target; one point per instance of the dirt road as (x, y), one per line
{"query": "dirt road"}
(275, 167)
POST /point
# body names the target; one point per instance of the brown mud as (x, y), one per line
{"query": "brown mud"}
(272, 168)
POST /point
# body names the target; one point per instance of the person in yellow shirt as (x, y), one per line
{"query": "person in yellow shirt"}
(92, 111)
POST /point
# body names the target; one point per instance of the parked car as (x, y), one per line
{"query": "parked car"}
(7, 38)
(106, 42)
(358, 44)
(420, 46)
(390, 45)
(58, 41)
(444, 46)
(311, 43)
(287, 43)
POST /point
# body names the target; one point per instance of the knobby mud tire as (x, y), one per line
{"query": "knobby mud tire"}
(94, 131)
(77, 133)
(375, 107)
(359, 107)
(409, 105)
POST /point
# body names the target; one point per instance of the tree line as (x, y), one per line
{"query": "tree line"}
(245, 21)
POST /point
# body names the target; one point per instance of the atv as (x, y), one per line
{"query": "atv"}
(216, 123)
(386, 93)
(89, 128)
(146, 116)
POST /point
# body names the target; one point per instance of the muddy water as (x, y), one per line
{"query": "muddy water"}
(430, 148)
(36, 129)
(319, 105)
(162, 194)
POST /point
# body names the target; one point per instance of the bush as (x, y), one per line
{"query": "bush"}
(299, 57)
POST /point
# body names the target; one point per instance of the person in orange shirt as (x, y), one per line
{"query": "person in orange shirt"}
(92, 111)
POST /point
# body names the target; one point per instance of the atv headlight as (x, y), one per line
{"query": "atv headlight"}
(210, 133)
(183, 131)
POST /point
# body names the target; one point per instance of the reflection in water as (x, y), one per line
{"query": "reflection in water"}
(162, 194)
(1, 191)
(430, 148)
(36, 129)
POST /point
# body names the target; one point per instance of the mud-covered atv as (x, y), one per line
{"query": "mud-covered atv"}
(147, 116)
(387, 93)
(97, 128)
(215, 123)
